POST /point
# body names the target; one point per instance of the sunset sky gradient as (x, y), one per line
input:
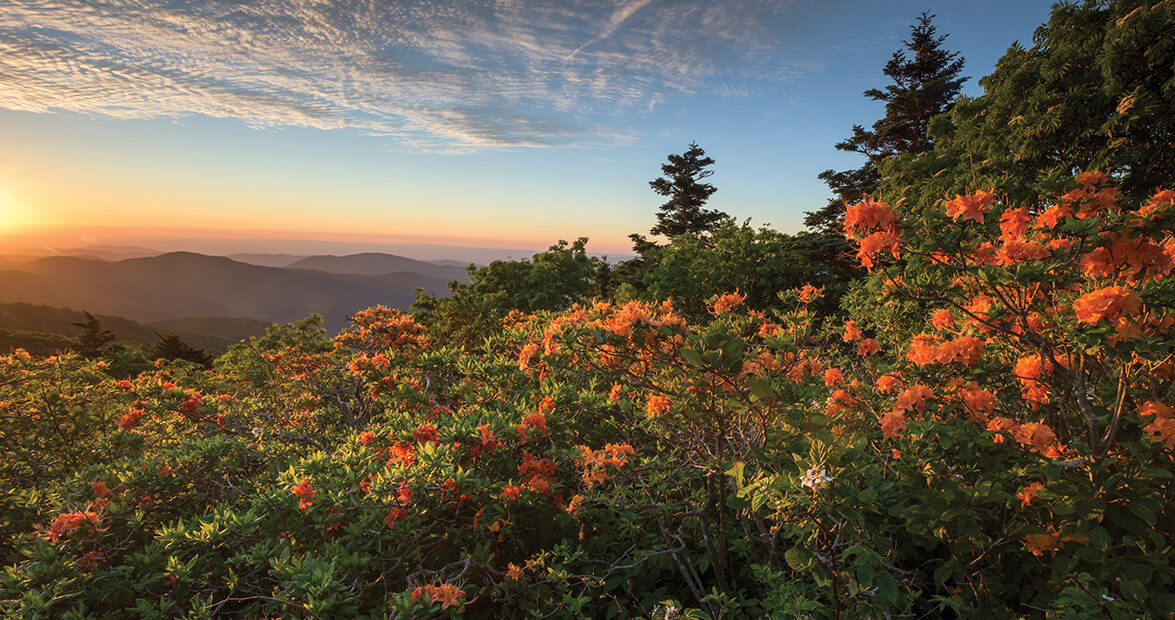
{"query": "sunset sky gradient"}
(499, 123)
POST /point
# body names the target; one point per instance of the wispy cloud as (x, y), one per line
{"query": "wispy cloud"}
(430, 74)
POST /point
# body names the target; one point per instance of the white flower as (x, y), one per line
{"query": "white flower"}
(815, 477)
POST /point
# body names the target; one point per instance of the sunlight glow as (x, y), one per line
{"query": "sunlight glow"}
(12, 212)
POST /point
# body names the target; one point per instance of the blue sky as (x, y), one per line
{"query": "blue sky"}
(499, 123)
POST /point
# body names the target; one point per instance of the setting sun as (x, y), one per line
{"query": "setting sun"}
(11, 211)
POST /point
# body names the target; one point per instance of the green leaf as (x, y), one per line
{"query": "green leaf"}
(1142, 512)
(799, 559)
(887, 587)
(1099, 538)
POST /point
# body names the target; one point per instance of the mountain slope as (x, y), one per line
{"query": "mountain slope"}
(184, 284)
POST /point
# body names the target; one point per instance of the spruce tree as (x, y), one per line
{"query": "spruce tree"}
(683, 213)
(93, 336)
(925, 83)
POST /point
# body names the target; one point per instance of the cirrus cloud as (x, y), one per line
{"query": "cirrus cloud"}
(433, 75)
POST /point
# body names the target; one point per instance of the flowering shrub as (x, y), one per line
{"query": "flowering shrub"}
(1003, 449)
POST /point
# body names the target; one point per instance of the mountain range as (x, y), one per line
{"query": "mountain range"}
(184, 284)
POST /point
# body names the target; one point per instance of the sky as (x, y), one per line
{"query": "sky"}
(331, 126)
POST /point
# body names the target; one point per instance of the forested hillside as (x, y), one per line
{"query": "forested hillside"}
(953, 398)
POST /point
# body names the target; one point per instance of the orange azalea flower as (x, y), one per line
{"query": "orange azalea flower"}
(130, 419)
(1092, 178)
(1028, 493)
(616, 393)
(887, 382)
(876, 243)
(1162, 430)
(979, 401)
(832, 376)
(726, 303)
(893, 422)
(915, 397)
(1030, 370)
(395, 515)
(851, 332)
(100, 488)
(869, 215)
(657, 404)
(511, 492)
(426, 433)
(970, 207)
(1035, 434)
(924, 350)
(305, 492)
(1013, 224)
(942, 319)
(1053, 216)
(965, 349)
(486, 442)
(999, 426)
(1106, 303)
(366, 437)
(1017, 250)
(868, 346)
(513, 573)
(69, 523)
(528, 352)
(809, 293)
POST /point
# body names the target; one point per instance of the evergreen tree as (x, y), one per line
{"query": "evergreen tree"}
(924, 85)
(1095, 91)
(683, 213)
(174, 347)
(93, 336)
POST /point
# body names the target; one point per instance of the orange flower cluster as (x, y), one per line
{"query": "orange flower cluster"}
(928, 349)
(1030, 371)
(809, 293)
(1162, 426)
(305, 492)
(852, 332)
(657, 404)
(1053, 541)
(448, 595)
(426, 433)
(395, 515)
(869, 216)
(1036, 436)
(593, 461)
(1028, 493)
(69, 523)
(726, 303)
(380, 328)
(130, 419)
(1107, 303)
(874, 226)
(970, 207)
(537, 474)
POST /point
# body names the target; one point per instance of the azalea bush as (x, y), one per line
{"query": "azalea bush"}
(990, 435)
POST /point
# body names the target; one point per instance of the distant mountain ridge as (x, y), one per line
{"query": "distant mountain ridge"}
(186, 284)
(377, 263)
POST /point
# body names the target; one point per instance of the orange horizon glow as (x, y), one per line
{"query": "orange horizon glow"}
(52, 237)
